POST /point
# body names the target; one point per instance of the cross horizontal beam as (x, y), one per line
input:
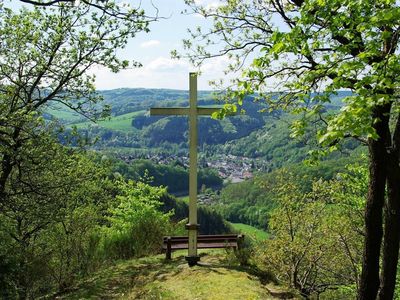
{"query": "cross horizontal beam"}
(201, 111)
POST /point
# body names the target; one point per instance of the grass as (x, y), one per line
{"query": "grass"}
(64, 114)
(255, 233)
(155, 278)
(122, 122)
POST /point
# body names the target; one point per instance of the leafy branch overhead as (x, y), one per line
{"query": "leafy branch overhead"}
(307, 50)
(64, 43)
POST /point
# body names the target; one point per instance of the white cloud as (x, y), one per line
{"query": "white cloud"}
(163, 72)
(209, 7)
(151, 43)
(216, 65)
(146, 78)
(163, 64)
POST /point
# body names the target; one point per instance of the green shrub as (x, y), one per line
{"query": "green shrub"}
(73, 245)
(243, 254)
(136, 226)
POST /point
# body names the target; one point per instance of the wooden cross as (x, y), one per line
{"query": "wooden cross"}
(192, 111)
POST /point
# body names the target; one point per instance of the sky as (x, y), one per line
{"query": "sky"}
(153, 51)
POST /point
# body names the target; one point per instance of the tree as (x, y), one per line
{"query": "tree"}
(49, 194)
(45, 56)
(308, 50)
(316, 236)
(137, 225)
(49, 214)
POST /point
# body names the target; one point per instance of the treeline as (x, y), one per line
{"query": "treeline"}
(153, 131)
(125, 100)
(211, 222)
(174, 176)
(255, 136)
(175, 129)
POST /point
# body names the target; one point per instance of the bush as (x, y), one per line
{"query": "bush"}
(315, 241)
(73, 246)
(243, 255)
(136, 226)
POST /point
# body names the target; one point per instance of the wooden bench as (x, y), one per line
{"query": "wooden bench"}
(171, 243)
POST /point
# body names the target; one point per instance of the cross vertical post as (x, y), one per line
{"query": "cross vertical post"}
(192, 226)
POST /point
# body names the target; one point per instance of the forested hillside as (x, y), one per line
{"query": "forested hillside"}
(253, 133)
(231, 149)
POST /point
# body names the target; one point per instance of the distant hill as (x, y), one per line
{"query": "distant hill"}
(131, 128)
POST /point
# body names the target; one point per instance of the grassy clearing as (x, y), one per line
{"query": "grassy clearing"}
(122, 122)
(252, 232)
(155, 278)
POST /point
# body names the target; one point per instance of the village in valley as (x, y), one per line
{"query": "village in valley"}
(231, 168)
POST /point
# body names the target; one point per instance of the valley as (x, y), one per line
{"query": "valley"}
(237, 147)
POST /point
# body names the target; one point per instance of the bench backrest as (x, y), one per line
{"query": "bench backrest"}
(217, 238)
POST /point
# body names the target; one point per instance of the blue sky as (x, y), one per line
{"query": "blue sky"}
(153, 51)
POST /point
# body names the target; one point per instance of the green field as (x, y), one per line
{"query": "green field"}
(65, 114)
(250, 231)
(122, 122)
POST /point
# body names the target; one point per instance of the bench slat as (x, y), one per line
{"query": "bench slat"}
(217, 245)
(203, 245)
(235, 236)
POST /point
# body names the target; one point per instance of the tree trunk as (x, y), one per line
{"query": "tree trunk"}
(392, 220)
(369, 281)
(8, 162)
(391, 235)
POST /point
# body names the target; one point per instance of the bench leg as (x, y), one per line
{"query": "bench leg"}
(168, 252)
(240, 240)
